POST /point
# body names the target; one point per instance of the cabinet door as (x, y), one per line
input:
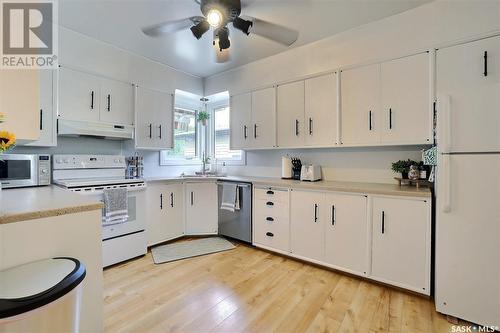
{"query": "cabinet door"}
(47, 109)
(174, 200)
(78, 95)
(472, 121)
(401, 242)
(165, 118)
(321, 110)
(240, 119)
(406, 114)
(307, 215)
(360, 104)
(201, 209)
(290, 115)
(145, 118)
(157, 227)
(19, 102)
(263, 118)
(117, 102)
(346, 232)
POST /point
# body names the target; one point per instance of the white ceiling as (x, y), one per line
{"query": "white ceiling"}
(119, 22)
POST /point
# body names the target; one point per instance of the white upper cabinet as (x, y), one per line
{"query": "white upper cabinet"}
(20, 103)
(360, 105)
(346, 232)
(154, 127)
(89, 97)
(401, 242)
(78, 95)
(253, 124)
(468, 91)
(47, 109)
(321, 110)
(117, 102)
(307, 220)
(263, 118)
(290, 115)
(405, 117)
(240, 119)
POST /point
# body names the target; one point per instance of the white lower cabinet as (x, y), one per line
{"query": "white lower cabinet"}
(201, 208)
(165, 212)
(346, 232)
(308, 215)
(401, 242)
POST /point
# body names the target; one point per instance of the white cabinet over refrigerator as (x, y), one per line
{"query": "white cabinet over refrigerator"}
(468, 182)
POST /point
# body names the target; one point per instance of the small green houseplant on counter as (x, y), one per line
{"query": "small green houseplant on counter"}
(403, 167)
(203, 116)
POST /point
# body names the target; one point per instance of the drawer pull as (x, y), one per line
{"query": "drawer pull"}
(270, 203)
(270, 192)
(270, 234)
(270, 219)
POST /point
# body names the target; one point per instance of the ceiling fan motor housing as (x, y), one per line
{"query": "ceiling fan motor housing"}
(230, 9)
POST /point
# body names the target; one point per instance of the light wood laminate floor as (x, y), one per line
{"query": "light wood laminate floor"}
(250, 290)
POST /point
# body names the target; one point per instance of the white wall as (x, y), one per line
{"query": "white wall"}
(431, 25)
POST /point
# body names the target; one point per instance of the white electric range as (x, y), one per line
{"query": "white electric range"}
(89, 175)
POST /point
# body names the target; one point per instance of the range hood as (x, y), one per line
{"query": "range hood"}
(75, 128)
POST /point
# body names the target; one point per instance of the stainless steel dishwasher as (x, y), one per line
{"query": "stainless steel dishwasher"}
(237, 224)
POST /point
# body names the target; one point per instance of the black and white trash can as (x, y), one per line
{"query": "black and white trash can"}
(41, 296)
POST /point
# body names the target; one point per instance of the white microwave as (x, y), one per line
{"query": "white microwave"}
(22, 170)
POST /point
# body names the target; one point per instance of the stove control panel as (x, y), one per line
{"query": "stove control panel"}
(62, 162)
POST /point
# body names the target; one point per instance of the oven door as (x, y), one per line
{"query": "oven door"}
(17, 170)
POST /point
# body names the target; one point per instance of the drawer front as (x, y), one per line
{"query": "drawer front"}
(270, 194)
(272, 231)
(270, 207)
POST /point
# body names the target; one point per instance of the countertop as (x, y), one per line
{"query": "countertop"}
(21, 204)
(340, 186)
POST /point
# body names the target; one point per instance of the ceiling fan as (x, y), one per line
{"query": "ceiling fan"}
(217, 14)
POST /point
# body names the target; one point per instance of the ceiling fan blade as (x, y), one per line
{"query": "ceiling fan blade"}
(169, 27)
(273, 31)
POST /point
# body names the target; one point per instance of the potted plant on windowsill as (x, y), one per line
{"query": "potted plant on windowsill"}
(203, 116)
(403, 167)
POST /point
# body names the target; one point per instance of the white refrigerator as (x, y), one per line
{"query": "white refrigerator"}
(467, 265)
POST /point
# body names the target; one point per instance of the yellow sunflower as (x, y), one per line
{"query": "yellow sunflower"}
(7, 141)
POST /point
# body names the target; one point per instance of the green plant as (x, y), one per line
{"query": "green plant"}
(203, 116)
(403, 166)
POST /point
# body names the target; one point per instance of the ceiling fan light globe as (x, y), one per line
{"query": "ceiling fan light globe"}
(214, 18)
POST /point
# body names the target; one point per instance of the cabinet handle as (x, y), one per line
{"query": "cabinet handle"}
(296, 127)
(270, 219)
(383, 222)
(41, 119)
(192, 198)
(109, 102)
(270, 192)
(310, 126)
(160, 130)
(245, 129)
(334, 215)
(315, 213)
(269, 234)
(485, 63)
(150, 131)
(390, 118)
(172, 199)
(270, 203)
(161, 201)
(92, 100)
(255, 131)
(370, 120)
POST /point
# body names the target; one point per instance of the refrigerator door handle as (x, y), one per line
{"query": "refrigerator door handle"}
(447, 186)
(444, 128)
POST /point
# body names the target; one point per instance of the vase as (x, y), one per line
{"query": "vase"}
(404, 175)
(414, 173)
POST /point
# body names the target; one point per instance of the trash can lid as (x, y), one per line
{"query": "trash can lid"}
(27, 287)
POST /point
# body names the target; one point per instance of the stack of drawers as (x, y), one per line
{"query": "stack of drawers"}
(271, 222)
